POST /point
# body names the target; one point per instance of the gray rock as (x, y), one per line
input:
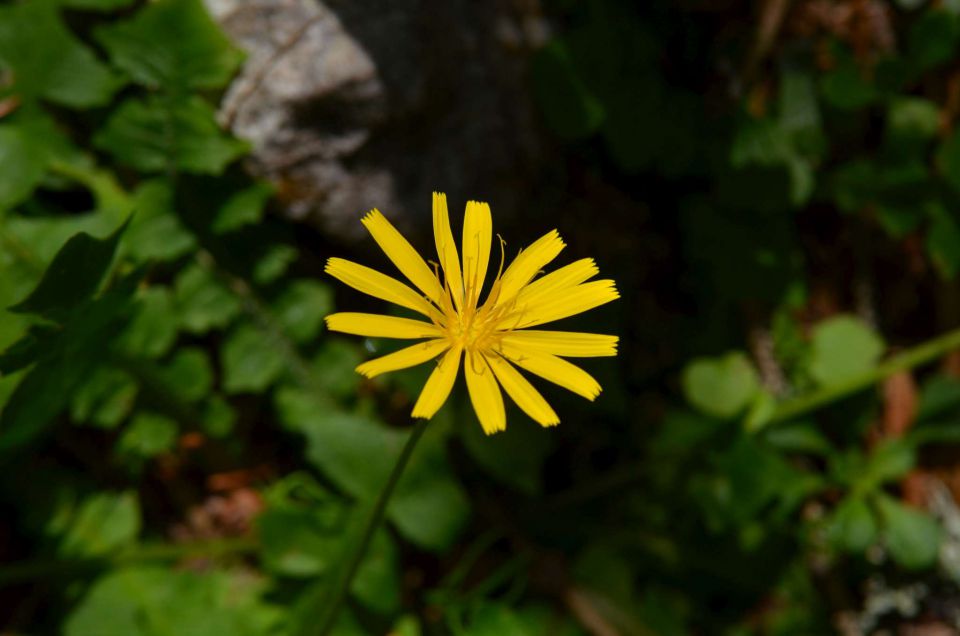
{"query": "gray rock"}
(356, 104)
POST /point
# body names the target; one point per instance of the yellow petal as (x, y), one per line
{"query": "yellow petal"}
(484, 393)
(567, 276)
(528, 263)
(439, 385)
(564, 343)
(477, 236)
(409, 357)
(522, 392)
(377, 326)
(554, 369)
(378, 285)
(403, 255)
(569, 302)
(447, 248)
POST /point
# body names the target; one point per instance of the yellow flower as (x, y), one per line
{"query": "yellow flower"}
(492, 336)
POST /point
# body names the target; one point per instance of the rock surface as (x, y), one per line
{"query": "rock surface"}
(355, 104)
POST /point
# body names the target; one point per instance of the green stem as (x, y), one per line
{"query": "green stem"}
(328, 615)
(41, 568)
(921, 354)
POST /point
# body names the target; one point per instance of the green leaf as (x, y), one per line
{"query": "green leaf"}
(26, 147)
(514, 457)
(164, 133)
(912, 536)
(147, 600)
(219, 417)
(932, 39)
(911, 122)
(243, 208)
(67, 361)
(334, 365)
(105, 398)
(721, 387)
(357, 453)
(103, 523)
(62, 70)
(568, 106)
(143, 46)
(853, 527)
(148, 435)
(153, 328)
(846, 88)
(497, 620)
(948, 159)
(891, 459)
(841, 348)
(156, 233)
(73, 277)
(251, 361)
(188, 374)
(273, 264)
(943, 241)
(203, 302)
(939, 396)
(301, 308)
(97, 5)
(377, 583)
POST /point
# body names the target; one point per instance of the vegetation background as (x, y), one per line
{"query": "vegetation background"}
(773, 184)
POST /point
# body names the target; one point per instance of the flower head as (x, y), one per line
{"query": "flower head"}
(493, 337)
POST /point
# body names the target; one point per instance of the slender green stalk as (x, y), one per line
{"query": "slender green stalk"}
(328, 614)
(921, 354)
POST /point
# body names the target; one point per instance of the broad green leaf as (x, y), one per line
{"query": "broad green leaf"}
(47, 61)
(889, 460)
(497, 620)
(251, 360)
(722, 386)
(203, 302)
(73, 277)
(97, 5)
(948, 159)
(912, 536)
(334, 365)
(189, 374)
(165, 133)
(148, 435)
(377, 584)
(152, 329)
(302, 307)
(841, 348)
(67, 361)
(273, 264)
(105, 398)
(219, 417)
(943, 241)
(514, 457)
(846, 87)
(932, 39)
(149, 600)
(939, 396)
(854, 526)
(912, 119)
(357, 453)
(570, 109)
(243, 208)
(172, 44)
(26, 147)
(103, 523)
(155, 233)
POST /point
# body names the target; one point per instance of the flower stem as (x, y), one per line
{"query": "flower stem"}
(921, 354)
(342, 585)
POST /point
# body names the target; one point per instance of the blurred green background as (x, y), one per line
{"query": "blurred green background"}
(773, 184)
